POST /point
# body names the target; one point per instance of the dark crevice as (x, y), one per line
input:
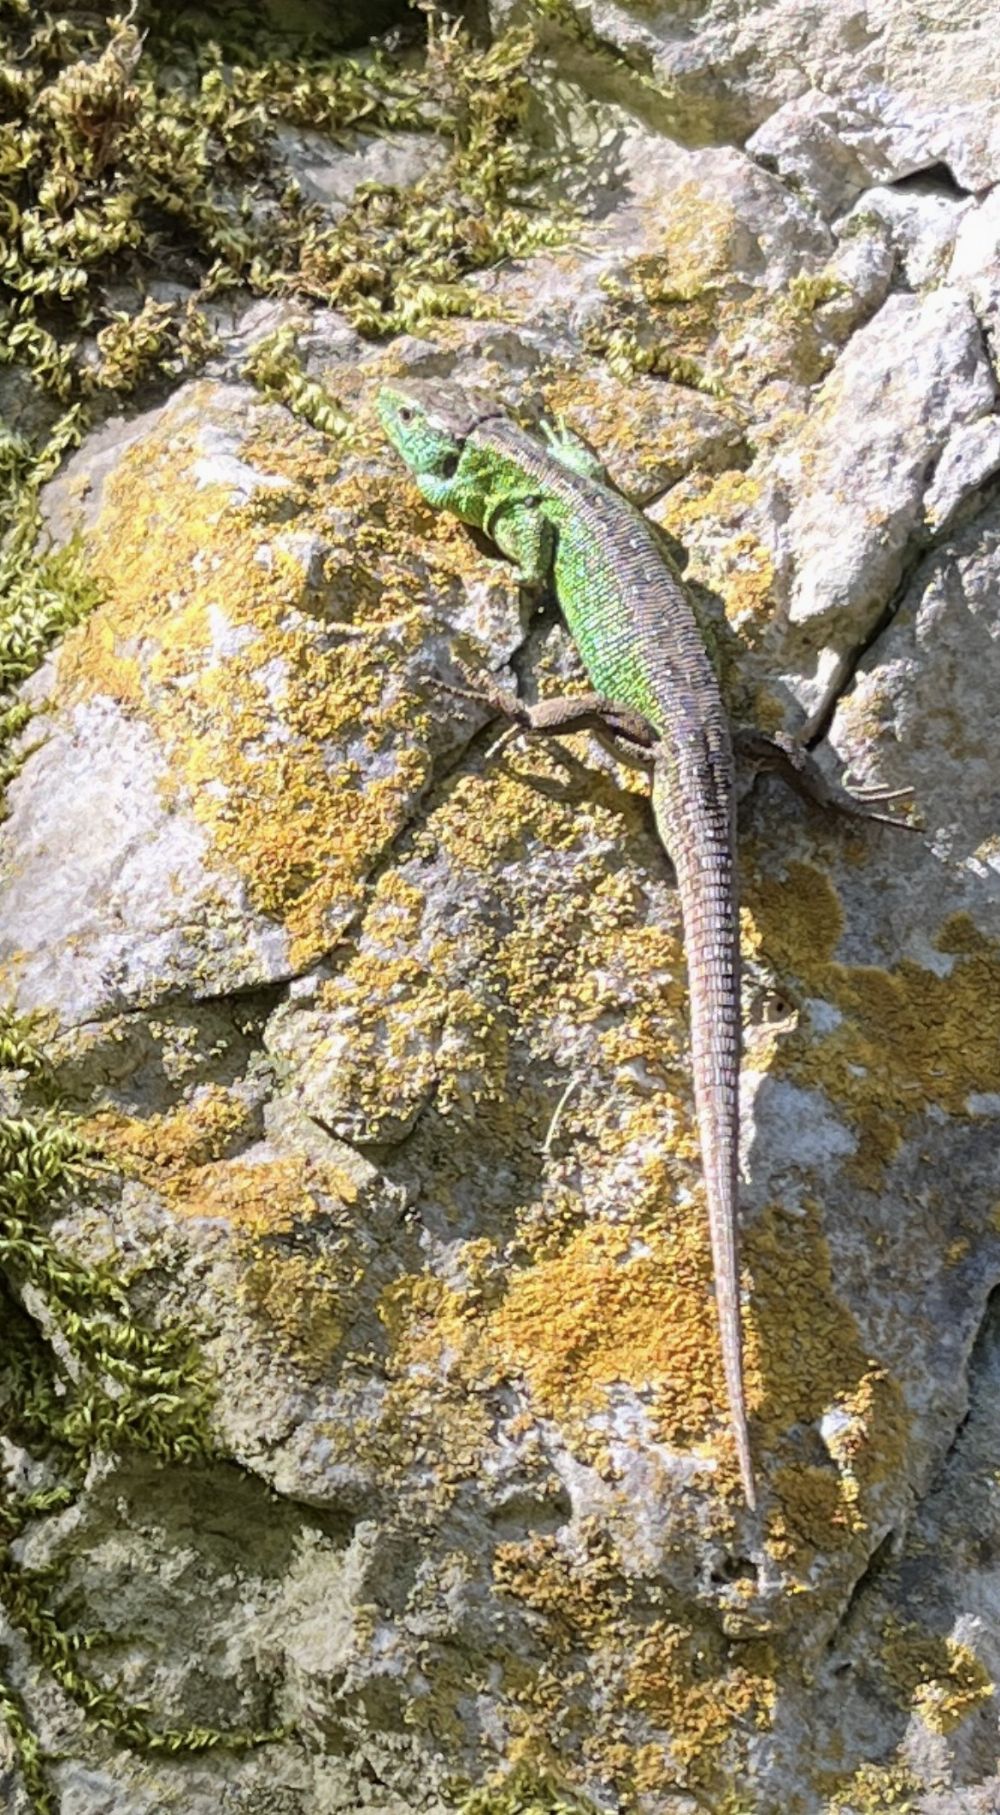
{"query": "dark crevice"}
(268, 993)
(880, 1557)
(920, 544)
(734, 1569)
(986, 1338)
(933, 179)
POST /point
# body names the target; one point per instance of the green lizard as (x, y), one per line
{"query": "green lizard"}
(552, 511)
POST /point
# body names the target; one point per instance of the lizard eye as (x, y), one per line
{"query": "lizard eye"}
(405, 413)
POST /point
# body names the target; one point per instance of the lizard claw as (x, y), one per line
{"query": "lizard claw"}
(874, 791)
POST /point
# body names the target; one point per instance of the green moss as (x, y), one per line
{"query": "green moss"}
(810, 290)
(93, 1380)
(523, 1792)
(43, 591)
(129, 151)
(646, 326)
(125, 152)
(276, 369)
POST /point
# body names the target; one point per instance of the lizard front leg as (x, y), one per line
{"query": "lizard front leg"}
(573, 453)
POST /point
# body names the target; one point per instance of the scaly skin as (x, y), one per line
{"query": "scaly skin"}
(640, 643)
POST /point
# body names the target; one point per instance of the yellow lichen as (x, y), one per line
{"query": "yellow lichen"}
(168, 1150)
(938, 1677)
(713, 518)
(235, 654)
(621, 1305)
(907, 1037)
(693, 1691)
(682, 1679)
(193, 1158)
(874, 1788)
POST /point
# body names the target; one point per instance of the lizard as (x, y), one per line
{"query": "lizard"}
(551, 509)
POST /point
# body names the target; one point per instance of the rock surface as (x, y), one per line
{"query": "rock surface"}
(383, 1033)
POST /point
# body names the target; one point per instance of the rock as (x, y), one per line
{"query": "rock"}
(383, 1032)
(329, 174)
(112, 899)
(970, 457)
(146, 873)
(921, 224)
(914, 377)
(895, 93)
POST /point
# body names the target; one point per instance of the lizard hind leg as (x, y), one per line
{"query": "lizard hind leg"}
(626, 734)
(786, 757)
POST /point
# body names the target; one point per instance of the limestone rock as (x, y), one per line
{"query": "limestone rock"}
(382, 1032)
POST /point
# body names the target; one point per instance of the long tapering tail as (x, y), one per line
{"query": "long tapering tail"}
(696, 826)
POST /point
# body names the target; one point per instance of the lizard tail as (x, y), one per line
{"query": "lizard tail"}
(702, 847)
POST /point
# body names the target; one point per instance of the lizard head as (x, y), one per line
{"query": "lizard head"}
(428, 422)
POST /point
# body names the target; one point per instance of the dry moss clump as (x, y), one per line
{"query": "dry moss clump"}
(143, 145)
(82, 1379)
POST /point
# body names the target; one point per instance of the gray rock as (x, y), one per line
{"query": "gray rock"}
(396, 1072)
(329, 174)
(109, 899)
(912, 94)
(856, 476)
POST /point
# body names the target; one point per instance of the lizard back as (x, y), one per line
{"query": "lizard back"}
(641, 646)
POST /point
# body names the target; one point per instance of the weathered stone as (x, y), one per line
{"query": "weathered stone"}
(855, 478)
(897, 91)
(330, 174)
(384, 1034)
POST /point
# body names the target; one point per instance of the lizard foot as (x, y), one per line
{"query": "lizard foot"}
(786, 757)
(482, 690)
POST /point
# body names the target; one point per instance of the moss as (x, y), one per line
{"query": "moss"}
(43, 593)
(126, 147)
(276, 370)
(399, 256)
(647, 326)
(809, 290)
(90, 1380)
